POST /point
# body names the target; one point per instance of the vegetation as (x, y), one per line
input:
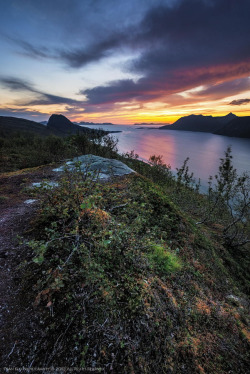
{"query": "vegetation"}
(224, 211)
(139, 274)
(27, 150)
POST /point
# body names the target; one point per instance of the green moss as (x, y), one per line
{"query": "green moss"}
(3, 198)
(163, 260)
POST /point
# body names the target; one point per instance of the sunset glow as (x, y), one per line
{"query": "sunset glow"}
(124, 62)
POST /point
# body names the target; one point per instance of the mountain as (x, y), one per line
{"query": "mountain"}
(229, 125)
(149, 124)
(238, 127)
(92, 123)
(199, 123)
(60, 123)
(57, 125)
(10, 125)
(226, 119)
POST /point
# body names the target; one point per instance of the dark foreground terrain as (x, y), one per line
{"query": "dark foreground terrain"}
(135, 274)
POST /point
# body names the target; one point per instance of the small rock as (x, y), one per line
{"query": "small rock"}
(30, 201)
(233, 299)
(44, 184)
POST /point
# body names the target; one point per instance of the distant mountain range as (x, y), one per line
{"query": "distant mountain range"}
(229, 125)
(92, 123)
(149, 124)
(58, 125)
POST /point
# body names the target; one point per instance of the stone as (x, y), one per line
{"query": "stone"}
(30, 201)
(105, 167)
(233, 299)
(45, 184)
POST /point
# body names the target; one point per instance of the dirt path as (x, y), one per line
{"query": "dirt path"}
(17, 322)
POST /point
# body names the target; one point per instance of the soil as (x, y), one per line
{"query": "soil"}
(18, 324)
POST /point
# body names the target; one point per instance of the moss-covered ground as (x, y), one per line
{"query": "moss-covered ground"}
(120, 277)
(124, 282)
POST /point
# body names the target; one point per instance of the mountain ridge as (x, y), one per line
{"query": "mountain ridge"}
(57, 125)
(229, 125)
(239, 126)
(65, 126)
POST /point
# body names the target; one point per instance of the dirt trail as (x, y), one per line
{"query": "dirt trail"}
(17, 321)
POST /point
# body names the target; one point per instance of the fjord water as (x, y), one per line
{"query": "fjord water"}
(203, 149)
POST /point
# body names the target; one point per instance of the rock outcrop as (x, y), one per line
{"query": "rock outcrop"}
(104, 168)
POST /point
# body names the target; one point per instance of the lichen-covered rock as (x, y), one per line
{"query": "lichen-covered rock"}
(105, 167)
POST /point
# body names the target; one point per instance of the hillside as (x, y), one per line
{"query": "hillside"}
(26, 143)
(239, 127)
(57, 125)
(10, 125)
(116, 276)
(199, 123)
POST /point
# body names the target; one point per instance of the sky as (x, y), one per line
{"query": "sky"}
(124, 62)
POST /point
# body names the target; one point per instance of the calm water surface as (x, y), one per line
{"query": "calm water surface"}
(204, 150)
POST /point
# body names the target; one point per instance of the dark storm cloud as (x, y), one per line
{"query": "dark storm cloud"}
(41, 98)
(120, 90)
(74, 32)
(71, 57)
(195, 33)
(194, 43)
(181, 44)
(187, 34)
(190, 34)
(239, 102)
(80, 57)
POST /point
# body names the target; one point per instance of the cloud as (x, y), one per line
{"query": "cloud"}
(120, 90)
(190, 44)
(225, 89)
(41, 98)
(239, 102)
(153, 89)
(179, 45)
(71, 57)
(30, 50)
(47, 99)
(16, 84)
(194, 32)
(79, 57)
(23, 113)
(189, 33)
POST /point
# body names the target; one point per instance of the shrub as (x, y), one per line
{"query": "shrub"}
(163, 260)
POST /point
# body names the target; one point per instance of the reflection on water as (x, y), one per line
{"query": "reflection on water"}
(204, 150)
